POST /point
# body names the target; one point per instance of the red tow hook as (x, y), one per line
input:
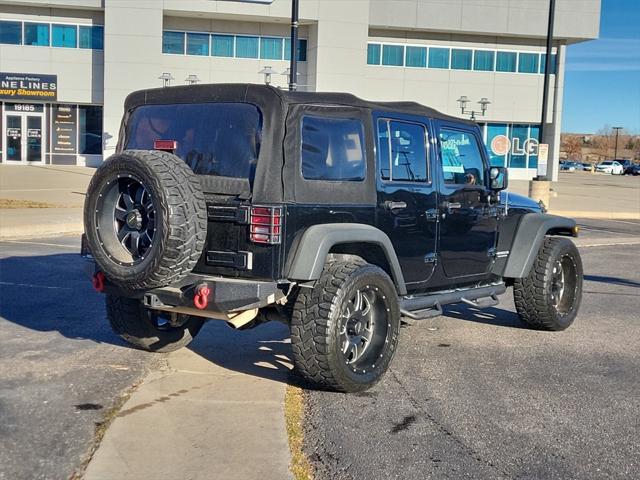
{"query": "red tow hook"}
(98, 282)
(201, 297)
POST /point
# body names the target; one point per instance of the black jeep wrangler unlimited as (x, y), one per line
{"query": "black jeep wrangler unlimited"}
(336, 215)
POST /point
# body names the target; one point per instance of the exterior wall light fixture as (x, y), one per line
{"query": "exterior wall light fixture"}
(464, 100)
(166, 78)
(267, 71)
(192, 79)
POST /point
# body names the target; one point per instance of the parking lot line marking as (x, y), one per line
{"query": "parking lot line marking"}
(609, 244)
(75, 247)
(30, 285)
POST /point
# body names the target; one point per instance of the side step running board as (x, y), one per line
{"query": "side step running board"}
(430, 305)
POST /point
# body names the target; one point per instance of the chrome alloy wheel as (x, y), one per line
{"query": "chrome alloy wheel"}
(563, 284)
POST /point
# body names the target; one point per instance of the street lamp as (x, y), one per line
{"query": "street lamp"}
(192, 79)
(617, 129)
(166, 78)
(464, 100)
(267, 71)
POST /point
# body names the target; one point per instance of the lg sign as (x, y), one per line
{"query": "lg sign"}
(501, 145)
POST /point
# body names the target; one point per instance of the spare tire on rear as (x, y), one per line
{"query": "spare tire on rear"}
(145, 219)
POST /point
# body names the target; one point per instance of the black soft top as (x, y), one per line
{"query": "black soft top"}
(277, 177)
(265, 95)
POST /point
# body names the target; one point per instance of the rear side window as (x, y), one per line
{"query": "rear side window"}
(402, 151)
(220, 139)
(332, 149)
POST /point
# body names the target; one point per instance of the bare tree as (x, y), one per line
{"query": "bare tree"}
(572, 145)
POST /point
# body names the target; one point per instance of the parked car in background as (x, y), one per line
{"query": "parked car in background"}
(611, 167)
(634, 170)
(587, 167)
(570, 166)
(625, 163)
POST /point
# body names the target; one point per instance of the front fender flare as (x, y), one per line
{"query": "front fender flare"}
(316, 242)
(532, 229)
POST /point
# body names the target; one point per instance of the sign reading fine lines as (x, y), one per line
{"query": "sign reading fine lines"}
(28, 86)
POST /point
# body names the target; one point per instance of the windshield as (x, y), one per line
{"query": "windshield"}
(607, 163)
(220, 139)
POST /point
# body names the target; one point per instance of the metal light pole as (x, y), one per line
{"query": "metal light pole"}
(547, 74)
(617, 129)
(293, 61)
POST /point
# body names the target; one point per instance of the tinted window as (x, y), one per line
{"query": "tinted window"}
(271, 48)
(198, 44)
(302, 49)
(92, 37)
(528, 63)
(247, 47)
(213, 138)
(11, 32)
(222, 45)
(506, 61)
(392, 55)
(332, 149)
(90, 130)
(402, 151)
(64, 36)
(461, 59)
(461, 158)
(543, 63)
(416, 57)
(36, 34)
(438, 57)
(483, 60)
(173, 42)
(373, 54)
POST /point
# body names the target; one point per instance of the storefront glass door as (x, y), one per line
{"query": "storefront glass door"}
(23, 137)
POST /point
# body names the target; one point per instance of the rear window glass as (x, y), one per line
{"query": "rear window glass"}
(220, 139)
(332, 149)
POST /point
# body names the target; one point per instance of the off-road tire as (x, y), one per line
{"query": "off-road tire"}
(134, 323)
(533, 294)
(316, 323)
(180, 219)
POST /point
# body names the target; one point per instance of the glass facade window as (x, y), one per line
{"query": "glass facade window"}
(484, 60)
(416, 57)
(65, 36)
(534, 133)
(36, 34)
(10, 32)
(373, 53)
(506, 61)
(92, 37)
(519, 135)
(222, 45)
(528, 62)
(198, 44)
(247, 47)
(271, 48)
(438, 57)
(173, 42)
(543, 63)
(89, 130)
(512, 146)
(461, 59)
(302, 49)
(393, 55)
(497, 146)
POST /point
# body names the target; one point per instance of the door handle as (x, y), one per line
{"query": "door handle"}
(449, 206)
(389, 205)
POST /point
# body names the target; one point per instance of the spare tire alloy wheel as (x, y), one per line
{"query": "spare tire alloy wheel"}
(126, 219)
(145, 219)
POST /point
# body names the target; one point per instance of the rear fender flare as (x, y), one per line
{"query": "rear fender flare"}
(316, 242)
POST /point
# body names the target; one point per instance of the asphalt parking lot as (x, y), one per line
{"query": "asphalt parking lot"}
(473, 394)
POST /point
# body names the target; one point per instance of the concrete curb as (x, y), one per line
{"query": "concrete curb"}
(42, 230)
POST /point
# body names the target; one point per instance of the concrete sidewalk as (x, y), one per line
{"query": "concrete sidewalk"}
(215, 411)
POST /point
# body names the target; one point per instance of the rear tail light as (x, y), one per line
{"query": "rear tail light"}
(265, 225)
(165, 145)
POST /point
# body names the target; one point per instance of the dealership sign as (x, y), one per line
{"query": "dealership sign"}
(501, 145)
(27, 86)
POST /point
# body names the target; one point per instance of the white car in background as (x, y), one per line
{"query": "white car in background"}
(610, 166)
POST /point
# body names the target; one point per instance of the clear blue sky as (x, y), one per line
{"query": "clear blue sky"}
(602, 79)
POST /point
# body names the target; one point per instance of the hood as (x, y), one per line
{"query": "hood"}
(514, 200)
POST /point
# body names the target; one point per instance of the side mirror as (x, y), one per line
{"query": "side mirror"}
(499, 178)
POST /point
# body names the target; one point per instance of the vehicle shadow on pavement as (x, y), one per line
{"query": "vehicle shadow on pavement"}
(488, 316)
(263, 351)
(52, 293)
(622, 282)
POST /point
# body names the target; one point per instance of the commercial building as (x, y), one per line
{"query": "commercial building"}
(67, 65)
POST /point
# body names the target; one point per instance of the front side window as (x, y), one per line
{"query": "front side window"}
(402, 151)
(461, 158)
(173, 42)
(36, 34)
(64, 36)
(220, 139)
(332, 149)
(198, 44)
(10, 32)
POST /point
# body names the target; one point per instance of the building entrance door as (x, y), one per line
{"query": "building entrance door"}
(23, 135)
